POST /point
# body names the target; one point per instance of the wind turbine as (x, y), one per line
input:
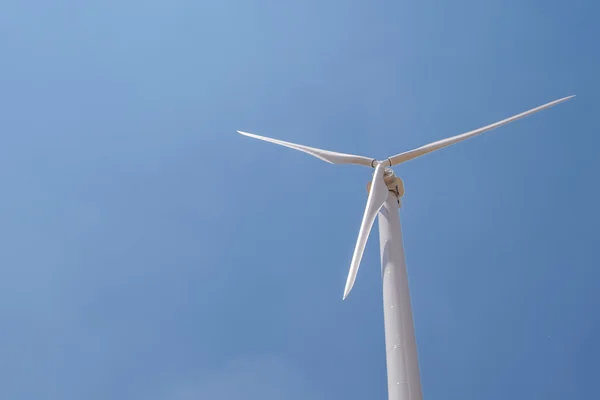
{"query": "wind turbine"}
(385, 191)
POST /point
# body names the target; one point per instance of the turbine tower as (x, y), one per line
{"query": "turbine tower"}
(384, 199)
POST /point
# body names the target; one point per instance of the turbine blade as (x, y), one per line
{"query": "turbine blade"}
(409, 155)
(377, 197)
(325, 155)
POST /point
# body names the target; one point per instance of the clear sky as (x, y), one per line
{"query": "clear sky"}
(149, 252)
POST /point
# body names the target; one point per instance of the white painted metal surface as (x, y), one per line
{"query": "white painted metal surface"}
(403, 375)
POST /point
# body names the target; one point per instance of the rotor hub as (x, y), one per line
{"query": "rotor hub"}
(389, 176)
(393, 183)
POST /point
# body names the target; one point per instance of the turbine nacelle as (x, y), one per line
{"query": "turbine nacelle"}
(384, 180)
(393, 183)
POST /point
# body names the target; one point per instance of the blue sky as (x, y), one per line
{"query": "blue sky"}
(150, 252)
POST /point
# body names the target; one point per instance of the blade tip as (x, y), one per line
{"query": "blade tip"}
(565, 98)
(247, 134)
(346, 291)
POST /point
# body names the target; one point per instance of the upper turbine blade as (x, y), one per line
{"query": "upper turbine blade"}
(377, 197)
(409, 155)
(325, 155)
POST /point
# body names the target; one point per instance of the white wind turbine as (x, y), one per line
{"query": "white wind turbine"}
(385, 191)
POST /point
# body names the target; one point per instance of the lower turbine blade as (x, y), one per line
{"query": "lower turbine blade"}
(377, 197)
